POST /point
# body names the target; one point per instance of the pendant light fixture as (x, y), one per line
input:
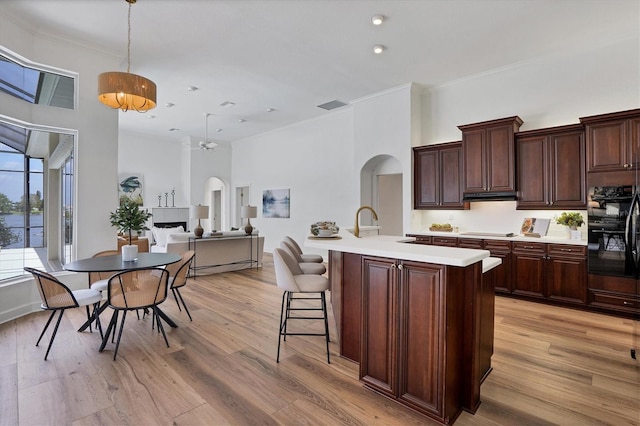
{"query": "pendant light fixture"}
(205, 144)
(125, 90)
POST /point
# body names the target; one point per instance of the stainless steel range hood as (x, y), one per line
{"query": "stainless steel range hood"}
(490, 196)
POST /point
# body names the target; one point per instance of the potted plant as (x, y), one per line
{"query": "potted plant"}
(571, 220)
(129, 218)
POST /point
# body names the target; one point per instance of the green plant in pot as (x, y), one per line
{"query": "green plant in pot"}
(129, 218)
(571, 219)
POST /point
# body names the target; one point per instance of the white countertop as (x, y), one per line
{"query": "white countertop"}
(396, 247)
(488, 263)
(554, 240)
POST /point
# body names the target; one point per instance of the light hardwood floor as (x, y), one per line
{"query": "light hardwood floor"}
(550, 366)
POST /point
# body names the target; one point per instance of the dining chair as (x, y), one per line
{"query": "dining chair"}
(132, 290)
(289, 277)
(56, 296)
(178, 278)
(306, 267)
(315, 258)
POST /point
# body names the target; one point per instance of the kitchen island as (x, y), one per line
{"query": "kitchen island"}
(418, 319)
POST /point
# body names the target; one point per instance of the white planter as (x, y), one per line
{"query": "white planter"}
(129, 253)
(575, 235)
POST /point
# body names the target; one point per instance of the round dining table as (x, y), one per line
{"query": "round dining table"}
(115, 264)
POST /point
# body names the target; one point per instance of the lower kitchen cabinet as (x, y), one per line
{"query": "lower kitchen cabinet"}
(502, 272)
(614, 294)
(555, 272)
(528, 262)
(416, 344)
(567, 273)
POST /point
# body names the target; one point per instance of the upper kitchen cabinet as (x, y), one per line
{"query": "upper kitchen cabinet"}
(437, 177)
(551, 168)
(613, 142)
(488, 155)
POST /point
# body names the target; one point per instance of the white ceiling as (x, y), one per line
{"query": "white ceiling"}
(292, 55)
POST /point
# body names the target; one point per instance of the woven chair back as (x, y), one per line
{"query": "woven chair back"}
(180, 271)
(97, 276)
(54, 294)
(138, 289)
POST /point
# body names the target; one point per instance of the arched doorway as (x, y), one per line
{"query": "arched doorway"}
(381, 188)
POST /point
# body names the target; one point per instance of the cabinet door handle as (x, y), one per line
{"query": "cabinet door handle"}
(564, 249)
(393, 266)
(527, 247)
(628, 303)
(400, 267)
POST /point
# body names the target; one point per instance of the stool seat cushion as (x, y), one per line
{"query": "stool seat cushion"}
(310, 283)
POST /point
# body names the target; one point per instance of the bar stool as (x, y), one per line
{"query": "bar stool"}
(305, 267)
(314, 258)
(289, 277)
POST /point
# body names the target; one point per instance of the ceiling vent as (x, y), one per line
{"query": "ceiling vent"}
(332, 105)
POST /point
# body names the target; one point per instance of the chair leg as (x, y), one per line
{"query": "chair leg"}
(110, 327)
(287, 314)
(183, 304)
(281, 325)
(160, 326)
(124, 317)
(96, 317)
(89, 318)
(175, 296)
(326, 322)
(53, 336)
(46, 326)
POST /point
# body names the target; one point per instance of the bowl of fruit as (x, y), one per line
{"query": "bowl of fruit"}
(441, 227)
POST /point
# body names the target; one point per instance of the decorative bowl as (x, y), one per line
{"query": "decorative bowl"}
(326, 226)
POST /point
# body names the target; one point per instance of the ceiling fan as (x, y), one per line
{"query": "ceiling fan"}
(206, 145)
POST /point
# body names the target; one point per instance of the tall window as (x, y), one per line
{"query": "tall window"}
(21, 210)
(67, 182)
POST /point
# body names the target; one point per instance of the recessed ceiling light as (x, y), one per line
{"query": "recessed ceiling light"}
(218, 130)
(270, 109)
(151, 117)
(377, 20)
(242, 120)
(169, 104)
(378, 49)
(227, 104)
(192, 88)
(173, 129)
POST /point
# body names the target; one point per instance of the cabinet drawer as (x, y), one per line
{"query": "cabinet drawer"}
(614, 284)
(498, 246)
(529, 248)
(470, 243)
(421, 239)
(614, 301)
(566, 250)
(444, 241)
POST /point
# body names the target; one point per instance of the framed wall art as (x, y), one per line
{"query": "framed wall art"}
(275, 203)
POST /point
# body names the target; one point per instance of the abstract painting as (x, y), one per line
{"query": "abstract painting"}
(130, 187)
(275, 203)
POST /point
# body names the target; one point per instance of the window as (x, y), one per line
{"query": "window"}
(67, 210)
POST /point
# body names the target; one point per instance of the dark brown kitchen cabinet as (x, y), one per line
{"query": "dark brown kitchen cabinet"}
(416, 345)
(567, 273)
(612, 141)
(502, 272)
(488, 154)
(614, 294)
(551, 168)
(528, 263)
(554, 272)
(471, 243)
(437, 179)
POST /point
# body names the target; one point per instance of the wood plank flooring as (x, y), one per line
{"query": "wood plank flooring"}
(550, 366)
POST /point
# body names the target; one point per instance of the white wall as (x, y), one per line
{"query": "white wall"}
(315, 160)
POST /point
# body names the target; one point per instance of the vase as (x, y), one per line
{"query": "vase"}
(574, 233)
(129, 253)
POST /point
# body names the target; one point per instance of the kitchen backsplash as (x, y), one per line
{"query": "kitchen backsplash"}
(491, 216)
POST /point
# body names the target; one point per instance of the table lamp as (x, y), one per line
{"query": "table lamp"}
(248, 212)
(199, 212)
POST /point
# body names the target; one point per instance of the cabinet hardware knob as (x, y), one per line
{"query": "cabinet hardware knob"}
(393, 266)
(400, 266)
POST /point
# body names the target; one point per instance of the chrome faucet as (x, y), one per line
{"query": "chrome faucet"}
(356, 227)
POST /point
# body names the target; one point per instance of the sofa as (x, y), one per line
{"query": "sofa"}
(214, 253)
